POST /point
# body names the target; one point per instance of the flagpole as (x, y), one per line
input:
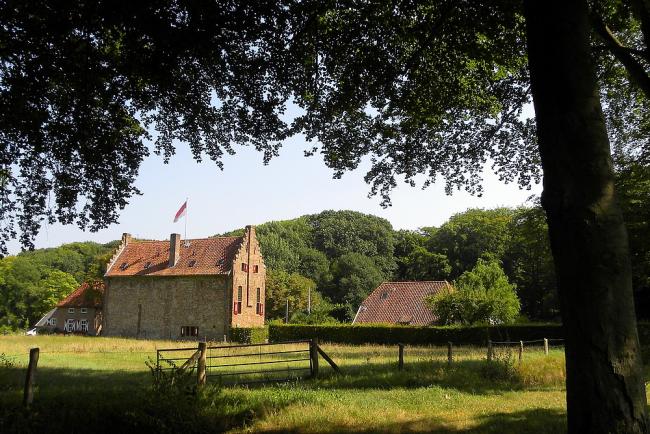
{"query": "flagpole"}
(186, 199)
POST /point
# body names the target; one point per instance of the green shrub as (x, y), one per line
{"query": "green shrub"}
(501, 368)
(482, 295)
(249, 335)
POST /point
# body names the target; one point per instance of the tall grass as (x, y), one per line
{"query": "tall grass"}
(104, 383)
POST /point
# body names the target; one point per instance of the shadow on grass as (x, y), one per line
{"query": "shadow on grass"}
(54, 381)
(85, 400)
(473, 376)
(526, 421)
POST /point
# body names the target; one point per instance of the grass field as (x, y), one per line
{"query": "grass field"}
(103, 384)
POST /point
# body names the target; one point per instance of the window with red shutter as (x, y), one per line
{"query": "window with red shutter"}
(237, 304)
(259, 308)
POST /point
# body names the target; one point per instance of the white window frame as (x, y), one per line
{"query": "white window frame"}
(83, 310)
(52, 321)
(70, 325)
(83, 325)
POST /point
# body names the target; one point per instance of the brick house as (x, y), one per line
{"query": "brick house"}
(79, 312)
(185, 289)
(400, 303)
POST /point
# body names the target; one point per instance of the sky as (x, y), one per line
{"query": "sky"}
(248, 192)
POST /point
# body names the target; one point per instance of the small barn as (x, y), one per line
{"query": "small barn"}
(400, 303)
(79, 312)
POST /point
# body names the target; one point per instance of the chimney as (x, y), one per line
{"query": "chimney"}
(174, 249)
(126, 238)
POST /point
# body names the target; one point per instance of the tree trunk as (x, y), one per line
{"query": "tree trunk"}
(605, 387)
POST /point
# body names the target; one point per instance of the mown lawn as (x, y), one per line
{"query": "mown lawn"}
(103, 385)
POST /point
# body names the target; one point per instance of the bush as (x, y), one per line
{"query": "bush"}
(482, 295)
(249, 335)
(501, 368)
(393, 334)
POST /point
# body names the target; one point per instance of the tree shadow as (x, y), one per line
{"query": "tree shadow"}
(53, 381)
(470, 376)
(86, 400)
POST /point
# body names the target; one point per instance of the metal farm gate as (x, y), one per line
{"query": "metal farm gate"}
(245, 364)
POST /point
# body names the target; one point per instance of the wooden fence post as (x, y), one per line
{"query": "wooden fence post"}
(450, 356)
(521, 350)
(313, 355)
(201, 374)
(30, 380)
(489, 350)
(546, 346)
(400, 362)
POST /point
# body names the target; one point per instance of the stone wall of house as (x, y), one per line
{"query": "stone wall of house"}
(249, 274)
(158, 307)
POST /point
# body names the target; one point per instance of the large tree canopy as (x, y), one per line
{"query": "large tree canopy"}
(421, 87)
(435, 88)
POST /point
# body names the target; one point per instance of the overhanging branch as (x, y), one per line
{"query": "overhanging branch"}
(635, 70)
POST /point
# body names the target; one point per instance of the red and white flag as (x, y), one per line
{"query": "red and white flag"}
(181, 212)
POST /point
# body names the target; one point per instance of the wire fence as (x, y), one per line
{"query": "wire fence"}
(239, 364)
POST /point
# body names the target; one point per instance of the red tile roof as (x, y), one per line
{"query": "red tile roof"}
(400, 302)
(87, 295)
(151, 258)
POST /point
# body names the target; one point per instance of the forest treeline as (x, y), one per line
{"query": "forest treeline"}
(32, 282)
(339, 257)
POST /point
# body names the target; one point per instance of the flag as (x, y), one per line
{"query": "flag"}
(181, 212)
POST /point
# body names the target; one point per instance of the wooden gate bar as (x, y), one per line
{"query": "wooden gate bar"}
(327, 359)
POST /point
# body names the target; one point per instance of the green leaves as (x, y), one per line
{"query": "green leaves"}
(421, 264)
(354, 278)
(469, 235)
(482, 295)
(32, 283)
(282, 286)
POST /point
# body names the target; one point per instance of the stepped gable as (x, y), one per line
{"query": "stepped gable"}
(401, 303)
(205, 256)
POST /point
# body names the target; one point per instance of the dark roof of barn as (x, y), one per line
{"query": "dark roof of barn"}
(87, 295)
(197, 257)
(400, 302)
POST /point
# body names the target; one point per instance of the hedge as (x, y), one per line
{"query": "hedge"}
(393, 334)
(249, 335)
